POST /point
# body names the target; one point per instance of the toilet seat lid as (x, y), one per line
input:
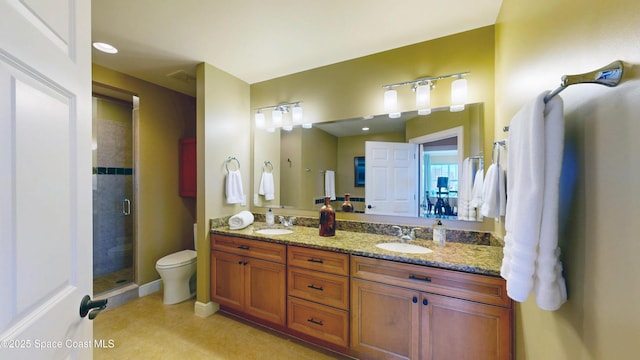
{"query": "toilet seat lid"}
(177, 259)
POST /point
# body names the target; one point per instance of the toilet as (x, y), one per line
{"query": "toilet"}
(178, 271)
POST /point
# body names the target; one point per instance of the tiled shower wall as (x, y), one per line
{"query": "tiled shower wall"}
(112, 183)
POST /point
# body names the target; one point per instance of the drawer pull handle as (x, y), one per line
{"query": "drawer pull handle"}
(425, 302)
(420, 277)
(415, 299)
(319, 288)
(319, 261)
(243, 247)
(314, 321)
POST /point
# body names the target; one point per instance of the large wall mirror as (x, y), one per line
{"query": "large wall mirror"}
(300, 162)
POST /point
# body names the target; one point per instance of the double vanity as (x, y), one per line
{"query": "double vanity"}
(353, 295)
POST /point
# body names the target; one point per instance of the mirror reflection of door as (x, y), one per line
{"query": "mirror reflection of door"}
(439, 178)
(440, 156)
(391, 186)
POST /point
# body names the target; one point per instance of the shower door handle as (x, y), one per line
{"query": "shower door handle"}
(126, 207)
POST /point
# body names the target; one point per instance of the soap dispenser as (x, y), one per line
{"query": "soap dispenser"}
(269, 218)
(439, 233)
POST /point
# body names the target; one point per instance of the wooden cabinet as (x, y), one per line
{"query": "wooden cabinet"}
(187, 179)
(318, 294)
(403, 311)
(250, 277)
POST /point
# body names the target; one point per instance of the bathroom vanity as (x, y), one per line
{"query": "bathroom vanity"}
(346, 294)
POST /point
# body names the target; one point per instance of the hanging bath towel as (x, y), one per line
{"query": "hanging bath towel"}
(267, 187)
(330, 184)
(234, 192)
(531, 253)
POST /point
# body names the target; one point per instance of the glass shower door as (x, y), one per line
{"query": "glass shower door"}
(113, 239)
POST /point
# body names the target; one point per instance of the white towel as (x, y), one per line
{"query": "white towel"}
(531, 254)
(267, 187)
(241, 220)
(330, 184)
(494, 192)
(477, 197)
(234, 192)
(465, 191)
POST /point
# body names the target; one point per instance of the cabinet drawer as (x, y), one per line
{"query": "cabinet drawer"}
(321, 260)
(327, 289)
(252, 248)
(322, 322)
(474, 287)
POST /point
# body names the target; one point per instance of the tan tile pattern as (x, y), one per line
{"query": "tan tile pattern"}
(147, 329)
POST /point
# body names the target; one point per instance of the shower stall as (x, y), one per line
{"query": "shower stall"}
(113, 195)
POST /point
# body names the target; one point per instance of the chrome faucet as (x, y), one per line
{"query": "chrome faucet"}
(287, 222)
(406, 234)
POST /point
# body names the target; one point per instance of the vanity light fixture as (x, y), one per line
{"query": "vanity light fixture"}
(391, 103)
(261, 122)
(278, 116)
(458, 94)
(422, 87)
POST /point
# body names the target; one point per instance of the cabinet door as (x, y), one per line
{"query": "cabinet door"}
(460, 329)
(227, 279)
(385, 321)
(265, 290)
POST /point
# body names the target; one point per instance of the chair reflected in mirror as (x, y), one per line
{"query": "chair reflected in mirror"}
(442, 206)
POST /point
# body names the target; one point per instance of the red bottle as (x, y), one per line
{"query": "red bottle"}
(327, 219)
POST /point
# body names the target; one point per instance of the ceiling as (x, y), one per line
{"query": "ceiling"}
(257, 40)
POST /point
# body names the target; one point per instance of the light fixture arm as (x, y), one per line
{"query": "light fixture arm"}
(429, 79)
(284, 106)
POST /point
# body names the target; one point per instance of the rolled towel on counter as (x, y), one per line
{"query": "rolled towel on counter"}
(241, 220)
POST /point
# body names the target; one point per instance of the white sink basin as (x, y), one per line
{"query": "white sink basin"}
(404, 248)
(274, 231)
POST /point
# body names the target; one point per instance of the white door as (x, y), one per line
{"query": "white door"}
(45, 178)
(391, 178)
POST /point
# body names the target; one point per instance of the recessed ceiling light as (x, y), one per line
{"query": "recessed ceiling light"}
(365, 129)
(104, 47)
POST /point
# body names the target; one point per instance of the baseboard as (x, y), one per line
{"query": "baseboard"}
(149, 288)
(119, 296)
(204, 310)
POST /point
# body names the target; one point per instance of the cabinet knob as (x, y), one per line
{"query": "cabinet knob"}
(415, 299)
(425, 302)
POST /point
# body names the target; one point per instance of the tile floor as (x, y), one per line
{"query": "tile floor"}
(147, 329)
(113, 280)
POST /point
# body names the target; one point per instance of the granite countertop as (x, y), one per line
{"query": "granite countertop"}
(477, 259)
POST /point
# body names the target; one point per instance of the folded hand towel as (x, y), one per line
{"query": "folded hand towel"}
(465, 191)
(531, 253)
(234, 192)
(477, 198)
(330, 184)
(267, 187)
(241, 220)
(494, 192)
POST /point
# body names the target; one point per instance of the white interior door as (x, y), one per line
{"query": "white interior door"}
(45, 182)
(391, 178)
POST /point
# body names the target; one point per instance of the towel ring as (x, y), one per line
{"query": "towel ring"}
(230, 159)
(267, 165)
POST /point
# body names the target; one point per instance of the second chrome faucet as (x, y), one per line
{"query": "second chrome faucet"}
(405, 234)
